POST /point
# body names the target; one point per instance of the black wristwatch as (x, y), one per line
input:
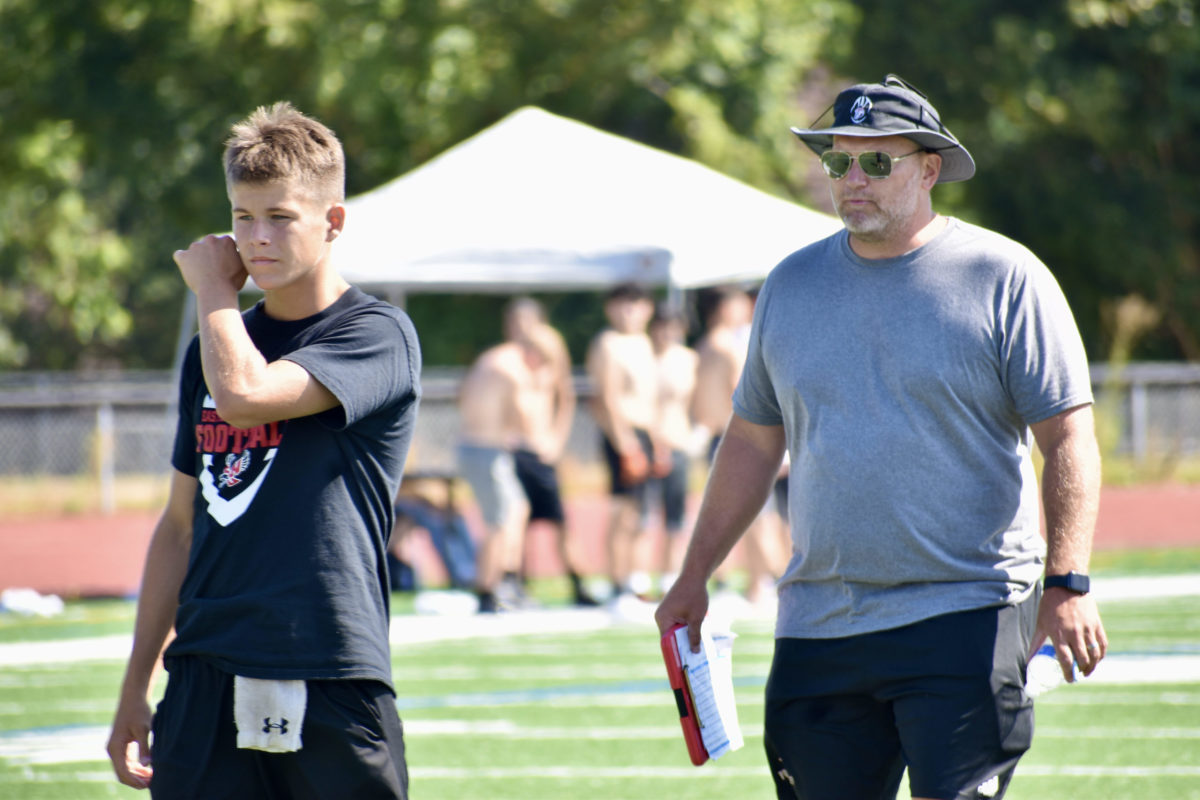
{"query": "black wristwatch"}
(1073, 582)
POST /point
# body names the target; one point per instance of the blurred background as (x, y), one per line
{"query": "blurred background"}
(1082, 115)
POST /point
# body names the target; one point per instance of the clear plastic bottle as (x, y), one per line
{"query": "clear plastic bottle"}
(1043, 672)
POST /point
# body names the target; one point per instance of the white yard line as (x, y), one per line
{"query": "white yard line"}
(85, 744)
(1146, 588)
(427, 628)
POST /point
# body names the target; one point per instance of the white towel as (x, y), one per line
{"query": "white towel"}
(269, 714)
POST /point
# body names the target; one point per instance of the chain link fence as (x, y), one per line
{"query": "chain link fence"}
(123, 424)
(115, 425)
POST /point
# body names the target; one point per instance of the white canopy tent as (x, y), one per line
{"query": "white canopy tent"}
(541, 202)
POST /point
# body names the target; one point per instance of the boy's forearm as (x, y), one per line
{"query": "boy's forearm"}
(158, 600)
(230, 361)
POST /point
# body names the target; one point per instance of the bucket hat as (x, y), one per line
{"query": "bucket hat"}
(892, 108)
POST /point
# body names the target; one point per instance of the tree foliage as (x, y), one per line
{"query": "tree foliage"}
(1083, 117)
(1081, 113)
(115, 111)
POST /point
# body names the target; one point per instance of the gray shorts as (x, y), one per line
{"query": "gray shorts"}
(492, 474)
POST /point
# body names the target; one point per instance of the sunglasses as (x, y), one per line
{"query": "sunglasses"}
(875, 164)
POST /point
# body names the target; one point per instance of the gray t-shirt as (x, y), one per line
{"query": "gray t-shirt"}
(905, 387)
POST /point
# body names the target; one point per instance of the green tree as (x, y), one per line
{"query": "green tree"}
(113, 113)
(1083, 117)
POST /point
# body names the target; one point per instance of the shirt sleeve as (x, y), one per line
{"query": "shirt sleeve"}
(183, 456)
(1045, 365)
(368, 361)
(755, 399)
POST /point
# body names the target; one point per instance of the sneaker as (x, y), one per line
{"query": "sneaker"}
(585, 600)
(488, 603)
(628, 607)
(511, 595)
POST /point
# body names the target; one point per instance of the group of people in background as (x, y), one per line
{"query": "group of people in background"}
(659, 405)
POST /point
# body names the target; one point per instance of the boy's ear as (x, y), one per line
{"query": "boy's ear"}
(336, 217)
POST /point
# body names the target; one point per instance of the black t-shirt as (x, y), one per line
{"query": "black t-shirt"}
(287, 573)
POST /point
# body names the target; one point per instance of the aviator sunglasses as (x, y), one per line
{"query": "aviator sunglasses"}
(875, 164)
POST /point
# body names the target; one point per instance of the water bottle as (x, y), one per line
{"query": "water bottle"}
(1043, 672)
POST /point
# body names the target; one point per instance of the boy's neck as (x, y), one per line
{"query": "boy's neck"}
(303, 300)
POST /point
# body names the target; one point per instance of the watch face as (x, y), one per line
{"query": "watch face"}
(1072, 581)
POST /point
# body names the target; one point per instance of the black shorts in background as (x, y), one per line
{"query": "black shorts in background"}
(943, 697)
(353, 743)
(618, 486)
(540, 482)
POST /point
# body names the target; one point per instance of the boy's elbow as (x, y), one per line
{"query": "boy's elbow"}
(237, 410)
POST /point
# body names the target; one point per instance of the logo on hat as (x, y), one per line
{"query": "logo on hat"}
(860, 109)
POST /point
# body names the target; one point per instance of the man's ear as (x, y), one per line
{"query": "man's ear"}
(931, 170)
(336, 217)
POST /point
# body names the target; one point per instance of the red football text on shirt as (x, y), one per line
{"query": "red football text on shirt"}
(218, 436)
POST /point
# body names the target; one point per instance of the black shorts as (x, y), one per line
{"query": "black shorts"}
(353, 743)
(943, 697)
(540, 482)
(619, 486)
(672, 492)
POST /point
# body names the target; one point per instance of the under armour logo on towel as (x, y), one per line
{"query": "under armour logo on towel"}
(281, 726)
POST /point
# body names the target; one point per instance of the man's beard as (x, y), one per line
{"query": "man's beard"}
(868, 225)
(875, 222)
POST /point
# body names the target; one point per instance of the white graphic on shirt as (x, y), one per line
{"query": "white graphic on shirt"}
(226, 511)
(232, 472)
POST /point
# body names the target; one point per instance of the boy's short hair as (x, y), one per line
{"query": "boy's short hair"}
(278, 143)
(632, 292)
(712, 298)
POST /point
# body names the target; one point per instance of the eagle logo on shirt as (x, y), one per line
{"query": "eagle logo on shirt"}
(235, 465)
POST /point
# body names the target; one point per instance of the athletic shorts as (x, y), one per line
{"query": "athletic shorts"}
(540, 482)
(617, 484)
(673, 491)
(353, 743)
(492, 475)
(943, 697)
(780, 496)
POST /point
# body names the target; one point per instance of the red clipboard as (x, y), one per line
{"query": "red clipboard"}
(683, 697)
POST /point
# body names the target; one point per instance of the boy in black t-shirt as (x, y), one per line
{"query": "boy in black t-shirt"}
(270, 559)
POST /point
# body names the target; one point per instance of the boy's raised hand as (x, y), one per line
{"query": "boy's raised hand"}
(212, 264)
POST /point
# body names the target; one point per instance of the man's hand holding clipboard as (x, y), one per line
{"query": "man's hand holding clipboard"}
(699, 669)
(683, 696)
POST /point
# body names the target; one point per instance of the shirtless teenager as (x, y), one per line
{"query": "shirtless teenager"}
(489, 406)
(673, 434)
(545, 425)
(722, 352)
(620, 364)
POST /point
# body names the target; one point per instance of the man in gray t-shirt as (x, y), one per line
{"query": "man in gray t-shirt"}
(907, 365)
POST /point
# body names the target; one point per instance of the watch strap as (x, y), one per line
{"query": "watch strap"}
(1073, 582)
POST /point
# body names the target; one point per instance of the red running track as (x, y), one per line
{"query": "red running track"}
(83, 556)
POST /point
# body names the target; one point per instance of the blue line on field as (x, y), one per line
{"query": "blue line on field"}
(516, 696)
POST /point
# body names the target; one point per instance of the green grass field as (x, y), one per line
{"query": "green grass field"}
(588, 714)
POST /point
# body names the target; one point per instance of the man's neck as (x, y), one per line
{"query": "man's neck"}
(921, 234)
